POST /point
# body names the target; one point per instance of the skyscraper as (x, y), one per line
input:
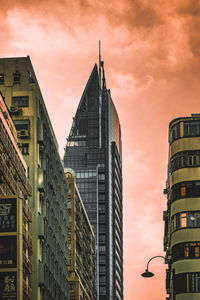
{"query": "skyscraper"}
(182, 217)
(93, 150)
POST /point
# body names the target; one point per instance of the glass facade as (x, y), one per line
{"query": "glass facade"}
(93, 150)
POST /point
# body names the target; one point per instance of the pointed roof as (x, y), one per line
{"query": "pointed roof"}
(94, 74)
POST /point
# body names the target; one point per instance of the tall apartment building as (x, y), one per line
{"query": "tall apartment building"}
(182, 218)
(93, 150)
(81, 240)
(15, 215)
(48, 203)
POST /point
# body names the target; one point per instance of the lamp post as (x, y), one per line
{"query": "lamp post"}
(147, 273)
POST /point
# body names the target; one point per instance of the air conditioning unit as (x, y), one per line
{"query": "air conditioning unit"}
(15, 110)
(23, 134)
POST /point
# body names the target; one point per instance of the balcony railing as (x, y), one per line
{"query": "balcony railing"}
(27, 237)
(27, 290)
(27, 210)
(27, 263)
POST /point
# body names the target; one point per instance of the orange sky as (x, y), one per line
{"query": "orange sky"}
(151, 51)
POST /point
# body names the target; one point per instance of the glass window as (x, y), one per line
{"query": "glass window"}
(192, 128)
(185, 159)
(25, 148)
(22, 124)
(102, 259)
(175, 132)
(16, 77)
(186, 219)
(190, 250)
(183, 220)
(1, 78)
(20, 101)
(186, 189)
(102, 238)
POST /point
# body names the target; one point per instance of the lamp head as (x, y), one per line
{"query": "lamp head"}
(147, 274)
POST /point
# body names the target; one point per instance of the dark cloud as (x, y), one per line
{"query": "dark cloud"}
(189, 8)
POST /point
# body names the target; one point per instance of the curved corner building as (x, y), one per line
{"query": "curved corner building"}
(182, 218)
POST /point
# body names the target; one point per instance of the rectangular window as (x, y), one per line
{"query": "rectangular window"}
(183, 191)
(183, 220)
(22, 124)
(25, 148)
(1, 78)
(180, 283)
(16, 77)
(20, 101)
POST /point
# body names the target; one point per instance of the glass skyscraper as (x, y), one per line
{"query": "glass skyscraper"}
(93, 150)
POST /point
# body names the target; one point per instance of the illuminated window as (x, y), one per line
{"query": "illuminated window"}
(183, 191)
(183, 220)
(1, 78)
(190, 250)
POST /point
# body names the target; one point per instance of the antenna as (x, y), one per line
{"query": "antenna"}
(100, 84)
(99, 52)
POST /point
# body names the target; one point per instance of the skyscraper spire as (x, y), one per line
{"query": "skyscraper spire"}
(100, 64)
(102, 81)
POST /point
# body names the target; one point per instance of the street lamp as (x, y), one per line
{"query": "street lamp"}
(147, 273)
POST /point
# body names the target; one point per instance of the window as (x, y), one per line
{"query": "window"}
(102, 238)
(192, 128)
(102, 279)
(186, 189)
(101, 176)
(175, 132)
(186, 219)
(102, 228)
(102, 259)
(102, 269)
(185, 159)
(102, 208)
(190, 250)
(102, 290)
(102, 249)
(1, 78)
(187, 283)
(101, 187)
(102, 218)
(20, 101)
(16, 77)
(25, 148)
(22, 124)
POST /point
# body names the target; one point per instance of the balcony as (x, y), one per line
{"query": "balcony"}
(27, 237)
(27, 263)
(27, 211)
(27, 291)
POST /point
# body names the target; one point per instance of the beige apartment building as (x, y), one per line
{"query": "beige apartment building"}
(81, 241)
(48, 201)
(15, 215)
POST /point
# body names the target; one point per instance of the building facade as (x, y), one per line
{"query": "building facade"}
(15, 215)
(182, 217)
(93, 150)
(81, 241)
(48, 202)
